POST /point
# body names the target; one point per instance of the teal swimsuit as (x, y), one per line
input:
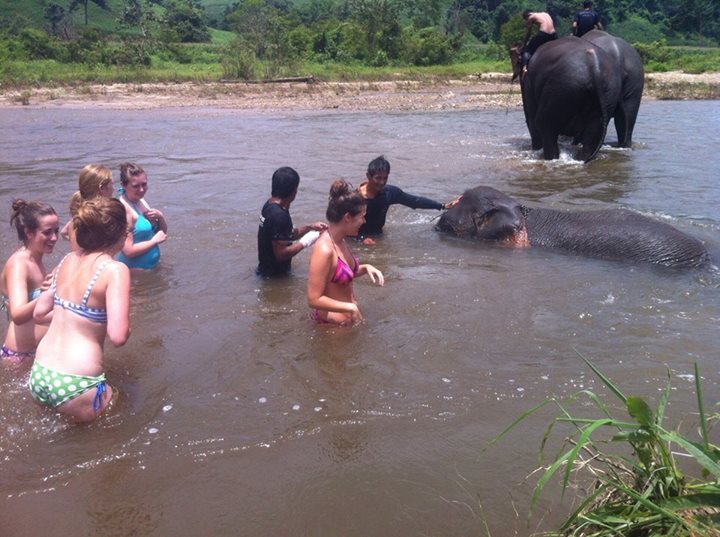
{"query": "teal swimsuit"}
(142, 232)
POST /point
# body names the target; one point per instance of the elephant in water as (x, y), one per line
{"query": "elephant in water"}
(632, 81)
(571, 88)
(617, 234)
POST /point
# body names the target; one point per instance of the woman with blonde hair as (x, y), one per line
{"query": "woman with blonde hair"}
(24, 277)
(90, 300)
(333, 266)
(95, 180)
(141, 249)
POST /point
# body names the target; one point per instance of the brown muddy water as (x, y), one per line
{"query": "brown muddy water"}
(239, 417)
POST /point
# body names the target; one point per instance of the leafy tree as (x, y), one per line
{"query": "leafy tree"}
(379, 18)
(74, 4)
(186, 19)
(54, 13)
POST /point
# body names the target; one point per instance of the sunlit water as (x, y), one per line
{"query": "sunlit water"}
(239, 416)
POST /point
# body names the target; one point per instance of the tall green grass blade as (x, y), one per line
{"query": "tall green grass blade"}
(510, 427)
(701, 407)
(662, 404)
(583, 505)
(545, 478)
(692, 501)
(641, 499)
(698, 452)
(604, 379)
(639, 409)
(584, 437)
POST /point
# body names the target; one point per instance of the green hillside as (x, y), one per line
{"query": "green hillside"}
(31, 13)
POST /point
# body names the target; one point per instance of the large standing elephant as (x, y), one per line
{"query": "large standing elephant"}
(619, 234)
(571, 88)
(632, 77)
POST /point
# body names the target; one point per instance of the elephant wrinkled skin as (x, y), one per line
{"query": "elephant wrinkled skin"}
(616, 234)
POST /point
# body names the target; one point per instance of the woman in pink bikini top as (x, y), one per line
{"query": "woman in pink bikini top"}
(333, 266)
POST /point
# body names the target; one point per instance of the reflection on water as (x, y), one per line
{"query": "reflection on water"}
(236, 408)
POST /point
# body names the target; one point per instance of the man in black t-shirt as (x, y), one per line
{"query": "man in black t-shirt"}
(379, 196)
(278, 240)
(586, 19)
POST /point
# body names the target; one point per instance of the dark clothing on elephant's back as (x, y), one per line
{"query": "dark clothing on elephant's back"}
(537, 40)
(378, 206)
(586, 20)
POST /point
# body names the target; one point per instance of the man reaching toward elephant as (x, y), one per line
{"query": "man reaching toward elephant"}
(546, 32)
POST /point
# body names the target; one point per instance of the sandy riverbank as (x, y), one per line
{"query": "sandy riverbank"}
(490, 90)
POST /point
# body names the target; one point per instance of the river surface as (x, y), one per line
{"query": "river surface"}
(240, 417)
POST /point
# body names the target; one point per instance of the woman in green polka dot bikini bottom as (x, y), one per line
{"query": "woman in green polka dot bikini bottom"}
(88, 301)
(53, 389)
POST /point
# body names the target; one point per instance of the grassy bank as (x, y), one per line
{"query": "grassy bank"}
(204, 63)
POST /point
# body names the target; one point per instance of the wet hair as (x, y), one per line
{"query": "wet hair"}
(285, 181)
(92, 178)
(100, 223)
(26, 217)
(526, 13)
(378, 165)
(129, 170)
(587, 4)
(343, 199)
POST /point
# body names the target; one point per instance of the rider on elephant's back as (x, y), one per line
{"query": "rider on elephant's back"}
(546, 32)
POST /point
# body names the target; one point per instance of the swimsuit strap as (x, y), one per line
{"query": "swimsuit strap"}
(57, 271)
(337, 251)
(92, 282)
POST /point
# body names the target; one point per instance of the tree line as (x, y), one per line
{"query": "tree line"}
(280, 34)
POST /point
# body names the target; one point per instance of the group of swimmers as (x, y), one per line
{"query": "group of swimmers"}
(58, 320)
(357, 213)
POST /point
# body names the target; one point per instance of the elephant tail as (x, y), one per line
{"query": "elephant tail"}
(596, 134)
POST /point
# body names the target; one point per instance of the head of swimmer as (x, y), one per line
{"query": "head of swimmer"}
(377, 174)
(346, 207)
(36, 224)
(285, 182)
(134, 181)
(101, 225)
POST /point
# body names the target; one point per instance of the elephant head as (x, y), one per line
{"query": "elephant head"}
(487, 214)
(515, 60)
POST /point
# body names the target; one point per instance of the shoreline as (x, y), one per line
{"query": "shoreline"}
(477, 92)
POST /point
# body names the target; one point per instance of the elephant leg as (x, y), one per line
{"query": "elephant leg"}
(550, 145)
(621, 125)
(592, 138)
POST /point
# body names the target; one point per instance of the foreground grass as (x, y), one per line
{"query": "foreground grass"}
(638, 488)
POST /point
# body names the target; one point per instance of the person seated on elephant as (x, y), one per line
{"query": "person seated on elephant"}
(546, 32)
(585, 20)
(379, 196)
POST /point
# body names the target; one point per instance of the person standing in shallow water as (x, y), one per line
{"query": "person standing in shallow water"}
(24, 277)
(379, 196)
(141, 249)
(333, 267)
(94, 180)
(89, 300)
(278, 240)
